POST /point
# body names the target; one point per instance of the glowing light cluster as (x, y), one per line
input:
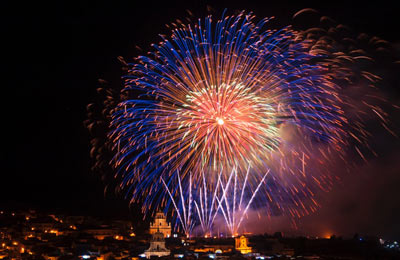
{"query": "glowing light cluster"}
(226, 126)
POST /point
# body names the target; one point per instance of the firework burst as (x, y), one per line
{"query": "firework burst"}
(233, 96)
(214, 96)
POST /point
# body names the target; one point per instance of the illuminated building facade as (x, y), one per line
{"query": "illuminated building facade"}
(241, 245)
(161, 225)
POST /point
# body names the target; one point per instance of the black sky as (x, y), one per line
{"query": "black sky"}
(54, 54)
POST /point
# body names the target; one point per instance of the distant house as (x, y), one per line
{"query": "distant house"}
(44, 223)
(51, 256)
(101, 233)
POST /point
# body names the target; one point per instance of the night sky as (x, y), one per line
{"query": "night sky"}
(55, 53)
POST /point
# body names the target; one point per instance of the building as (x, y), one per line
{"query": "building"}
(161, 225)
(157, 246)
(217, 249)
(101, 233)
(241, 245)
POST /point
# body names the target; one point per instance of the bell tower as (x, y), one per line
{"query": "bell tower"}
(161, 225)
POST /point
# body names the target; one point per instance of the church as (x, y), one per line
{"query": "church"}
(157, 246)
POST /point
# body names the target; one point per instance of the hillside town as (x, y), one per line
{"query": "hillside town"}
(34, 235)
